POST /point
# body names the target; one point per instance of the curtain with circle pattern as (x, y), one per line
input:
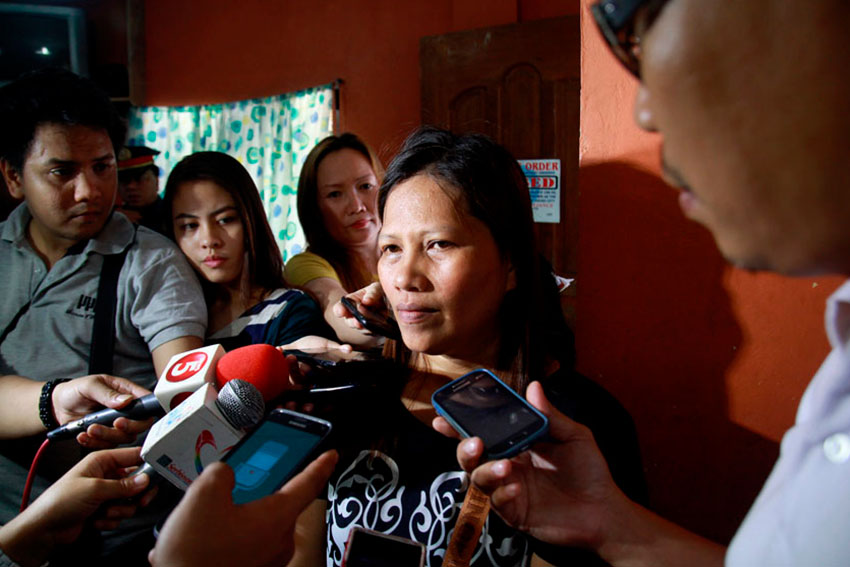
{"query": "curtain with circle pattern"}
(270, 136)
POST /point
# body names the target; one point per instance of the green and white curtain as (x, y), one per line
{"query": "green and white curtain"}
(270, 136)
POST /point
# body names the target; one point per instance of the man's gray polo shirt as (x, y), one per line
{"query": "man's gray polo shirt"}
(158, 299)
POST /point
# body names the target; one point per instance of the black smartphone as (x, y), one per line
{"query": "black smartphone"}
(328, 358)
(368, 548)
(371, 320)
(326, 371)
(283, 444)
(480, 405)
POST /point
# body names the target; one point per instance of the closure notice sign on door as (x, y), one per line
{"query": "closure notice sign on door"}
(544, 185)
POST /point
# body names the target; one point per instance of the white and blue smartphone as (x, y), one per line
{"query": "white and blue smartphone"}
(283, 444)
(480, 405)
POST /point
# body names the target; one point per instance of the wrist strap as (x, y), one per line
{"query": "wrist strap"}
(45, 404)
(468, 528)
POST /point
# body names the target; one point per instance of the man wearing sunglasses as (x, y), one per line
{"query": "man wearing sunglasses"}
(751, 100)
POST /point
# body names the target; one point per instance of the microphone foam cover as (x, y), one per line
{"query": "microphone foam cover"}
(241, 404)
(262, 365)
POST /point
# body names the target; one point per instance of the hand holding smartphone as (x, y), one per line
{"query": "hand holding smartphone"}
(371, 320)
(283, 444)
(480, 405)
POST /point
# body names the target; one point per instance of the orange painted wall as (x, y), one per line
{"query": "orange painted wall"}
(199, 52)
(711, 361)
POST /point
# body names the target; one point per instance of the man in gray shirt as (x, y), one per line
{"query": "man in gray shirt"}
(57, 153)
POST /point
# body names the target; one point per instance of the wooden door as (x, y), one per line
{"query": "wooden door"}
(519, 84)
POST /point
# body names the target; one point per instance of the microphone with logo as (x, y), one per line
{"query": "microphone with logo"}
(203, 428)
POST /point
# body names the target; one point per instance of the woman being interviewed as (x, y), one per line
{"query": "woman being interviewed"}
(459, 270)
(217, 219)
(337, 208)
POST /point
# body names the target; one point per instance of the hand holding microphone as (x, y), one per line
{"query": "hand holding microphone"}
(185, 373)
(95, 490)
(76, 398)
(261, 365)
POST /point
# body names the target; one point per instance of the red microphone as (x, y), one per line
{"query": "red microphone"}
(262, 365)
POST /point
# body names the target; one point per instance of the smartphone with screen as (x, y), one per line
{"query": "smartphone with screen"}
(330, 371)
(371, 320)
(328, 358)
(368, 548)
(480, 405)
(283, 444)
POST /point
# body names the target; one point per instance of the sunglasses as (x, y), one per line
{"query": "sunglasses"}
(616, 20)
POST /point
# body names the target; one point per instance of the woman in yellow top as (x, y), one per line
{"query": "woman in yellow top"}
(337, 207)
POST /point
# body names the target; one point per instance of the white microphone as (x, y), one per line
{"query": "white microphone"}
(201, 430)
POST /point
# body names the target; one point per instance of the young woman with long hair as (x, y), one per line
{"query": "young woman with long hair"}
(217, 219)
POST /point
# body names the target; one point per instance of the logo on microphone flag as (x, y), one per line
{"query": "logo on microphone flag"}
(186, 373)
(190, 437)
(205, 438)
(186, 367)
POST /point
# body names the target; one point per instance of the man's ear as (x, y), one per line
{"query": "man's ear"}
(13, 179)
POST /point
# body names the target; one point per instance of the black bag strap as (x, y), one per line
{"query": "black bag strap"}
(103, 330)
(14, 323)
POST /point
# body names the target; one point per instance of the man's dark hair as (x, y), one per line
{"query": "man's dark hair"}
(53, 96)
